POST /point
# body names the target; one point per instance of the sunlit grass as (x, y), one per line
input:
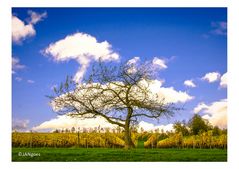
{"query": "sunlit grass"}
(110, 154)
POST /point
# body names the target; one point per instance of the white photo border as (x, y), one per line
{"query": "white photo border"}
(233, 83)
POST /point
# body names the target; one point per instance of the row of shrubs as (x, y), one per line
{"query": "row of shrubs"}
(67, 140)
(203, 140)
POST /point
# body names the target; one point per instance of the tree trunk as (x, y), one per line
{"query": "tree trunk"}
(127, 135)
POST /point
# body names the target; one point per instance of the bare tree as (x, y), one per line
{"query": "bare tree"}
(120, 94)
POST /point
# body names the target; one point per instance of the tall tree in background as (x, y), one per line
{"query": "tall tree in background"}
(181, 127)
(197, 124)
(120, 94)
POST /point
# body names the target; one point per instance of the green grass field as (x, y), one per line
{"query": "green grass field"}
(110, 154)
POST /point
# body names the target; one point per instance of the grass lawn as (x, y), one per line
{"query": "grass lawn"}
(110, 154)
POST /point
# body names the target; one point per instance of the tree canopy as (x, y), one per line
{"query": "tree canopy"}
(120, 94)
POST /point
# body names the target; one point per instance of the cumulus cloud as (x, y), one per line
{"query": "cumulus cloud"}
(215, 112)
(169, 94)
(223, 82)
(211, 77)
(133, 61)
(64, 121)
(201, 106)
(16, 65)
(173, 96)
(189, 83)
(20, 125)
(151, 127)
(160, 63)
(22, 30)
(155, 63)
(155, 86)
(83, 48)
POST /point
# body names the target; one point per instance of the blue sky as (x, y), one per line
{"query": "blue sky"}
(192, 42)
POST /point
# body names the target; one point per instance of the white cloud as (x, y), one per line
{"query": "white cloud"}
(16, 65)
(216, 112)
(36, 17)
(189, 83)
(20, 125)
(211, 77)
(64, 121)
(159, 63)
(155, 86)
(21, 30)
(201, 106)
(172, 96)
(223, 82)
(18, 79)
(30, 81)
(151, 127)
(169, 94)
(83, 48)
(133, 61)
